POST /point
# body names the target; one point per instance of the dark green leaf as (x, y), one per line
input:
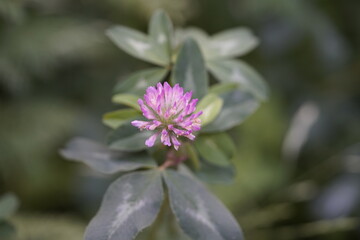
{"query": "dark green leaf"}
(135, 43)
(218, 149)
(236, 108)
(130, 204)
(200, 215)
(7, 231)
(190, 71)
(212, 173)
(102, 159)
(239, 72)
(139, 81)
(8, 205)
(127, 100)
(116, 118)
(161, 33)
(128, 138)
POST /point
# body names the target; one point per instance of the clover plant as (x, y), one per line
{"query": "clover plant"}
(171, 131)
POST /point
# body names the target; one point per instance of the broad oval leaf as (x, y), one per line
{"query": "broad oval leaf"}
(104, 160)
(213, 173)
(239, 72)
(116, 118)
(9, 203)
(127, 100)
(236, 108)
(189, 70)
(161, 34)
(197, 34)
(210, 105)
(221, 88)
(130, 204)
(128, 138)
(138, 82)
(218, 149)
(231, 43)
(135, 43)
(200, 214)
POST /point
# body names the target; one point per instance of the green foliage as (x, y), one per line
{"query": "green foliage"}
(8, 206)
(133, 201)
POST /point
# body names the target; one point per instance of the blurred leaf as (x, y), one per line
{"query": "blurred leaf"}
(200, 215)
(128, 138)
(127, 100)
(239, 72)
(189, 69)
(116, 118)
(212, 173)
(130, 204)
(135, 43)
(236, 108)
(231, 43)
(218, 149)
(7, 231)
(192, 155)
(197, 34)
(210, 105)
(221, 88)
(137, 82)
(161, 34)
(8, 205)
(102, 159)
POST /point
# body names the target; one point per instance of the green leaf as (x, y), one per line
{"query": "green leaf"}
(128, 138)
(231, 43)
(116, 118)
(200, 214)
(7, 231)
(130, 204)
(212, 173)
(190, 71)
(8, 205)
(197, 34)
(104, 160)
(127, 100)
(192, 155)
(236, 108)
(239, 72)
(210, 105)
(221, 88)
(218, 149)
(135, 43)
(138, 82)
(161, 34)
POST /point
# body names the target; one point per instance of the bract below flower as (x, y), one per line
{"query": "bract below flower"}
(170, 112)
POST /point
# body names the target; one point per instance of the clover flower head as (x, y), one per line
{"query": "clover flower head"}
(170, 112)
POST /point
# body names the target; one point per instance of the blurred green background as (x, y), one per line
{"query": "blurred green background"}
(298, 156)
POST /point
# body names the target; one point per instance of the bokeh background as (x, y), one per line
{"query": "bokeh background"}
(298, 156)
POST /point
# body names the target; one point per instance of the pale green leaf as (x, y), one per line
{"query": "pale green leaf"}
(239, 72)
(210, 105)
(127, 100)
(104, 160)
(231, 43)
(130, 205)
(161, 34)
(135, 43)
(116, 118)
(200, 215)
(190, 71)
(221, 88)
(139, 81)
